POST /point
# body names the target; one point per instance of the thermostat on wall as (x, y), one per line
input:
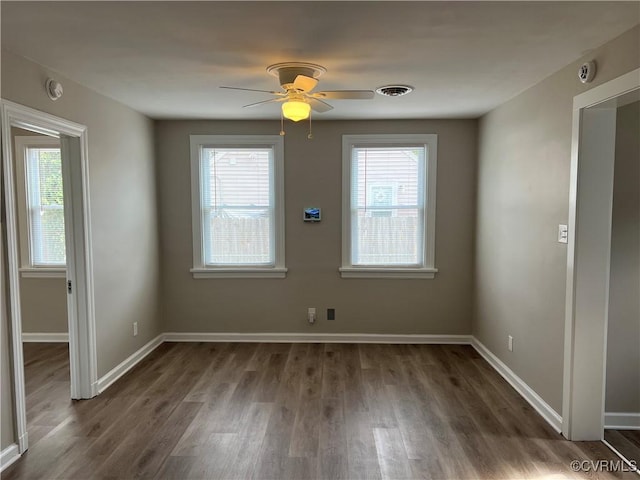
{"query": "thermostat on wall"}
(312, 214)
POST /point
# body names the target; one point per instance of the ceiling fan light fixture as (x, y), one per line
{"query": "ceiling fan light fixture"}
(296, 110)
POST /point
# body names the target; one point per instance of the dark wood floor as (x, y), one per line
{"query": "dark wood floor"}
(292, 411)
(627, 442)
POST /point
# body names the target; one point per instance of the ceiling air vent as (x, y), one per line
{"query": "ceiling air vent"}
(394, 90)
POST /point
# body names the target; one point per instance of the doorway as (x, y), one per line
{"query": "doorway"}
(43, 297)
(78, 275)
(589, 254)
(622, 385)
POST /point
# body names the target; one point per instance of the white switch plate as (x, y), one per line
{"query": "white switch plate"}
(563, 233)
(510, 343)
(135, 329)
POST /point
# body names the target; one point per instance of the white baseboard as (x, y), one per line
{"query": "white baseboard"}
(535, 400)
(622, 421)
(118, 371)
(9, 455)
(316, 338)
(45, 337)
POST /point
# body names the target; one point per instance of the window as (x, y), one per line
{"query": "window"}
(40, 206)
(238, 206)
(388, 214)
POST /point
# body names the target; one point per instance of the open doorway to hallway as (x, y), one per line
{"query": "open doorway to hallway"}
(49, 265)
(39, 197)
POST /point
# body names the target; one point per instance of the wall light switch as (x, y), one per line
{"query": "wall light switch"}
(563, 233)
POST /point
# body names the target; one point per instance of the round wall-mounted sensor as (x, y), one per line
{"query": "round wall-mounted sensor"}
(587, 71)
(54, 89)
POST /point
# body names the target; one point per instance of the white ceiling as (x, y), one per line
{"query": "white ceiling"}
(167, 59)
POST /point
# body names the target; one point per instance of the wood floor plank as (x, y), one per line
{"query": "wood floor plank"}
(269, 383)
(420, 445)
(362, 456)
(249, 442)
(378, 404)
(231, 414)
(305, 437)
(274, 450)
(333, 467)
(332, 435)
(150, 460)
(176, 468)
(626, 442)
(392, 457)
(217, 358)
(303, 468)
(191, 444)
(220, 449)
(332, 374)
(233, 411)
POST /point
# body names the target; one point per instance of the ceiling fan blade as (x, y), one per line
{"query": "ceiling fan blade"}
(318, 105)
(345, 94)
(257, 104)
(254, 90)
(304, 83)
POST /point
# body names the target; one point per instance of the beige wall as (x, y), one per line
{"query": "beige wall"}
(523, 191)
(313, 178)
(44, 305)
(623, 349)
(123, 204)
(43, 300)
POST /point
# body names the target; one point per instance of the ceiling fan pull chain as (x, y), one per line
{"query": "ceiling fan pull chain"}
(281, 124)
(310, 136)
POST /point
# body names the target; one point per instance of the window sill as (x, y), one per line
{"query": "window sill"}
(278, 272)
(43, 272)
(377, 272)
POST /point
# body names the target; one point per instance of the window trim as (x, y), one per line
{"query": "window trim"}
(27, 268)
(200, 269)
(425, 271)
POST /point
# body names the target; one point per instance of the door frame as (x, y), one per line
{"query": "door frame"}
(80, 302)
(588, 257)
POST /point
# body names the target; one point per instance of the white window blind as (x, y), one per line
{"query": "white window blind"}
(237, 206)
(45, 206)
(387, 205)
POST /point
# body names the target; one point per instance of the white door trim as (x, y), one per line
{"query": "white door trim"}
(588, 253)
(82, 342)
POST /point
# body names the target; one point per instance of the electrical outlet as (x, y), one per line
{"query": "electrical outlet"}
(135, 329)
(331, 313)
(311, 315)
(510, 343)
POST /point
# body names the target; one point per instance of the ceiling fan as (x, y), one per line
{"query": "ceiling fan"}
(298, 79)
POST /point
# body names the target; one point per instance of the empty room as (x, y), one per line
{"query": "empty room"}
(320, 240)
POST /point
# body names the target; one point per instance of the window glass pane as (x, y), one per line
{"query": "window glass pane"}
(387, 205)
(237, 206)
(46, 206)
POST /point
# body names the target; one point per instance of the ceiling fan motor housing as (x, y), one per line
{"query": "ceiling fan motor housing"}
(288, 71)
